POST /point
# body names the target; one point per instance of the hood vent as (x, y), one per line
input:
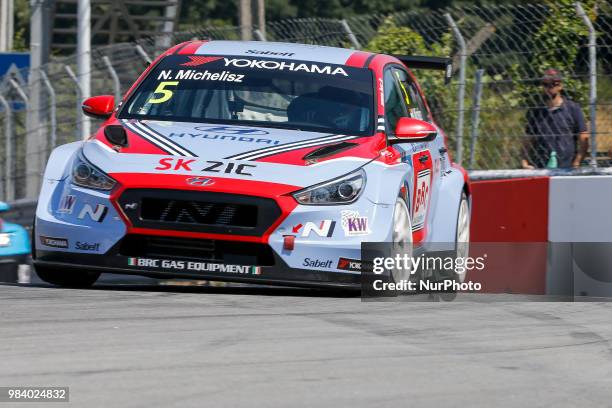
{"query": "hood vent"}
(116, 135)
(328, 150)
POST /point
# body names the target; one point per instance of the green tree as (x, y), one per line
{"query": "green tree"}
(555, 45)
(21, 40)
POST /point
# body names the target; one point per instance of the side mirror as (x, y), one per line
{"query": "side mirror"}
(99, 107)
(4, 206)
(414, 130)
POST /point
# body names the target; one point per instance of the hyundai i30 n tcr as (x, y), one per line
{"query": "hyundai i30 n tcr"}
(251, 162)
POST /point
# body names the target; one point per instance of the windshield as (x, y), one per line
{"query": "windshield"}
(251, 91)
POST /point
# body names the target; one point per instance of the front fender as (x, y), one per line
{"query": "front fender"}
(384, 181)
(60, 158)
(446, 210)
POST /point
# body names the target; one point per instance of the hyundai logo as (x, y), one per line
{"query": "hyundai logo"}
(232, 130)
(200, 181)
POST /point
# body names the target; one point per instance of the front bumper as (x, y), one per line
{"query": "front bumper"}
(87, 233)
(279, 274)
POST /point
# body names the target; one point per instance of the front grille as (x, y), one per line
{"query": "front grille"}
(218, 251)
(199, 211)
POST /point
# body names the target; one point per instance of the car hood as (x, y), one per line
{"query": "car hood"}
(231, 152)
(10, 227)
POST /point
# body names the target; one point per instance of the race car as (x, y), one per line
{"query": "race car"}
(253, 162)
(14, 247)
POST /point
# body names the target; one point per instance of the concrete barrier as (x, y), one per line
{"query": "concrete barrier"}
(565, 223)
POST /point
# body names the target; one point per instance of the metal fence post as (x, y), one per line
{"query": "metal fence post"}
(36, 123)
(83, 58)
(52, 110)
(23, 96)
(259, 35)
(143, 54)
(163, 42)
(12, 149)
(347, 29)
(115, 78)
(461, 90)
(9, 189)
(592, 80)
(79, 92)
(19, 90)
(476, 113)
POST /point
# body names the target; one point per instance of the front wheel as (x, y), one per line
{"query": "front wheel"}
(69, 279)
(402, 238)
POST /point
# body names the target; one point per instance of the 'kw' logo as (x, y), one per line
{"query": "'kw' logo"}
(66, 204)
(354, 224)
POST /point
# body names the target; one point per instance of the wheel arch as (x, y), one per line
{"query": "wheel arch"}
(444, 214)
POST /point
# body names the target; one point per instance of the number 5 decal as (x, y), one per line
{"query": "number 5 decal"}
(166, 93)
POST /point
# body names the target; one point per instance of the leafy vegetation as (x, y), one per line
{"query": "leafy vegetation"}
(511, 78)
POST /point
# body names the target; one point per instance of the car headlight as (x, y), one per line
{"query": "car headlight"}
(343, 190)
(5, 239)
(84, 174)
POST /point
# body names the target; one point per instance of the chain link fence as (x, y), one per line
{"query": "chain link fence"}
(499, 55)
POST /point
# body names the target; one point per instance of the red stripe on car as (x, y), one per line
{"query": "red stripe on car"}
(192, 47)
(358, 59)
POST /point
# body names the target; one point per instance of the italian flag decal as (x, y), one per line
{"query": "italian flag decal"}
(132, 261)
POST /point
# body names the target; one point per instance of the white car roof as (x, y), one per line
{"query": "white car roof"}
(286, 51)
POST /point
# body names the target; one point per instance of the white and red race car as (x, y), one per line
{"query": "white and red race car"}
(251, 162)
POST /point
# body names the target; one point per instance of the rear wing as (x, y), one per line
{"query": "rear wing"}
(420, 62)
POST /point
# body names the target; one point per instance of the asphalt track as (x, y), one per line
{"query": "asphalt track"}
(150, 346)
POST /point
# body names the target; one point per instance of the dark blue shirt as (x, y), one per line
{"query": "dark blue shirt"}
(556, 130)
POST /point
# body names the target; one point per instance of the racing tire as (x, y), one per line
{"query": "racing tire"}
(462, 246)
(402, 234)
(462, 237)
(401, 242)
(68, 279)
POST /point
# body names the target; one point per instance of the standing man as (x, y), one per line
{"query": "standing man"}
(555, 129)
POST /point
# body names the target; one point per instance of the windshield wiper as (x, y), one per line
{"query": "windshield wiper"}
(290, 126)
